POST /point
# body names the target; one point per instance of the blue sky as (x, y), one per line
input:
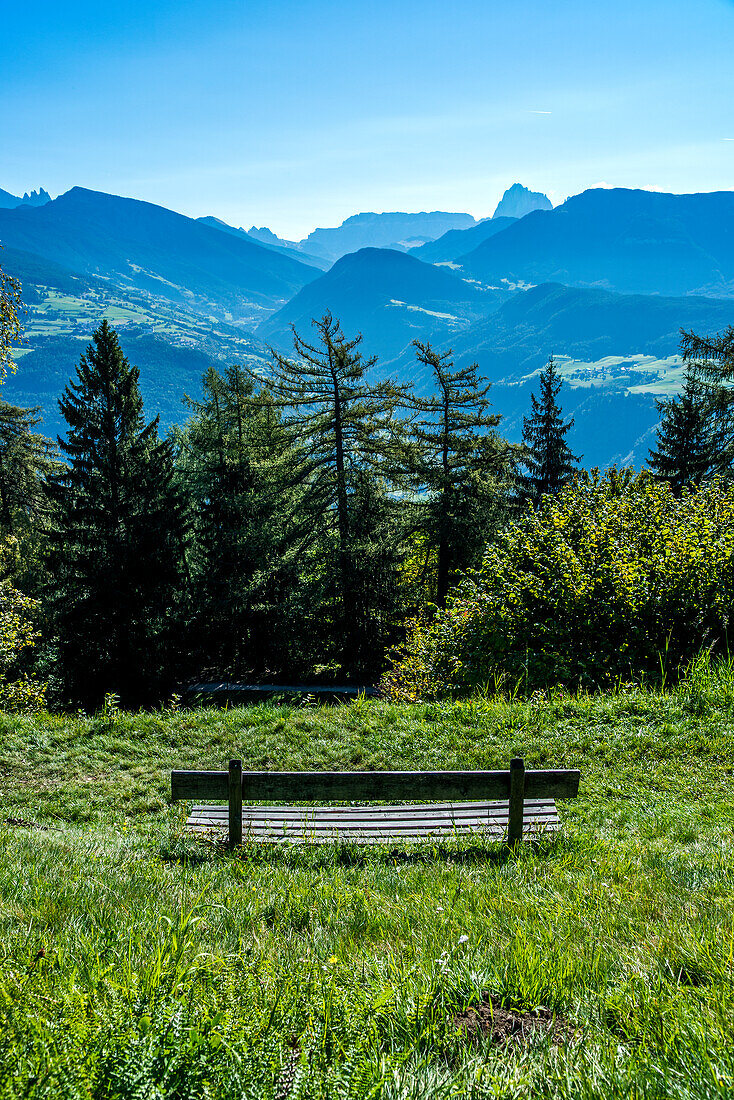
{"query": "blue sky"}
(297, 114)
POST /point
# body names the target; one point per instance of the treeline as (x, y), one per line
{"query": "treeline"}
(288, 530)
(298, 525)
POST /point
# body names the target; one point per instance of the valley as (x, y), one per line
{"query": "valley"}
(604, 282)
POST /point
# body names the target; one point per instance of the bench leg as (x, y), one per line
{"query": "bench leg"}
(517, 801)
(235, 803)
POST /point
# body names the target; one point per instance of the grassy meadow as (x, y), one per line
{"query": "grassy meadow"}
(137, 962)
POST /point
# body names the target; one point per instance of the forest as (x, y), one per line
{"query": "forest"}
(316, 522)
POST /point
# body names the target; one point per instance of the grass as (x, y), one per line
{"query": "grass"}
(135, 962)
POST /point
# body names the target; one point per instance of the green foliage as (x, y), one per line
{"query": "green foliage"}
(548, 458)
(613, 578)
(116, 539)
(11, 307)
(20, 690)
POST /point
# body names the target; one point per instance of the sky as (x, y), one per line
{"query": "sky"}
(298, 113)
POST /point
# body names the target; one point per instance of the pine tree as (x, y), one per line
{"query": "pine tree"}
(686, 452)
(115, 552)
(548, 458)
(344, 427)
(461, 463)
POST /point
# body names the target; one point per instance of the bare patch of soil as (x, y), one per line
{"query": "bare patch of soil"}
(21, 823)
(511, 1025)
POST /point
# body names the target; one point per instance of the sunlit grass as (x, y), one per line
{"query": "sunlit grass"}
(136, 962)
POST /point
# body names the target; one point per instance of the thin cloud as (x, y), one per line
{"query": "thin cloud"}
(532, 112)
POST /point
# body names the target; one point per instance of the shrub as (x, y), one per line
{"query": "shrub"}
(611, 579)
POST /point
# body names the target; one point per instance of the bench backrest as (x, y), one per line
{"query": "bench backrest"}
(516, 785)
(373, 786)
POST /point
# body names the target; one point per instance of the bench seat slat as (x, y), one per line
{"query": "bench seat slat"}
(368, 825)
(456, 809)
(380, 836)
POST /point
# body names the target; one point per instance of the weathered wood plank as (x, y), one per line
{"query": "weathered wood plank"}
(192, 784)
(381, 836)
(370, 809)
(384, 786)
(375, 786)
(381, 816)
(364, 826)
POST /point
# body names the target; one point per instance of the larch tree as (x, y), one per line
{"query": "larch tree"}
(345, 429)
(548, 460)
(462, 465)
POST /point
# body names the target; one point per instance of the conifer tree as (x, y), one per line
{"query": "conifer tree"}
(26, 459)
(711, 361)
(237, 465)
(548, 459)
(461, 463)
(343, 426)
(685, 452)
(115, 551)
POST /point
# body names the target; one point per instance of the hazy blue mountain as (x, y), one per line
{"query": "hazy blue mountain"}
(388, 296)
(631, 241)
(266, 236)
(584, 324)
(167, 372)
(165, 254)
(34, 198)
(613, 402)
(518, 201)
(390, 230)
(285, 248)
(457, 242)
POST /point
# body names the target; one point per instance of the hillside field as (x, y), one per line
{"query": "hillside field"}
(136, 962)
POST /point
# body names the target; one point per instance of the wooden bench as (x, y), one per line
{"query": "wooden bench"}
(514, 803)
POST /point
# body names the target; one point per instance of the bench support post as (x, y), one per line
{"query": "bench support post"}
(517, 801)
(235, 803)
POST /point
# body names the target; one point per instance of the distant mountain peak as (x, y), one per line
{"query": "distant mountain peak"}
(35, 198)
(518, 201)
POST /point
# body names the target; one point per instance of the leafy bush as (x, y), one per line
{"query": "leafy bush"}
(611, 579)
(19, 690)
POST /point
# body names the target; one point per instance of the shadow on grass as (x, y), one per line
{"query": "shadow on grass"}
(200, 850)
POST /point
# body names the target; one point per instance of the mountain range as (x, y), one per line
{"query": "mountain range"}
(637, 242)
(604, 281)
(390, 297)
(33, 198)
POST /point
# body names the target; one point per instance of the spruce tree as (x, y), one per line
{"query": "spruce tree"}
(237, 465)
(711, 361)
(548, 459)
(115, 552)
(685, 453)
(26, 459)
(461, 463)
(343, 426)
